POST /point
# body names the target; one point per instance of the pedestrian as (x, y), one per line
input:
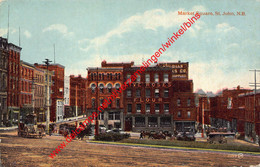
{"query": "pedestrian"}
(141, 135)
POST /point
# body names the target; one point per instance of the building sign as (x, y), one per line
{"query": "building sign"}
(179, 70)
(140, 100)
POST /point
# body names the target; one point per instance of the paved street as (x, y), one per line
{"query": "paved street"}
(17, 151)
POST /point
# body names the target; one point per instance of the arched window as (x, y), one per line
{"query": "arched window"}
(117, 86)
(93, 87)
(101, 87)
(109, 87)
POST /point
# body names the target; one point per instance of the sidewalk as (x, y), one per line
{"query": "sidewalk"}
(8, 128)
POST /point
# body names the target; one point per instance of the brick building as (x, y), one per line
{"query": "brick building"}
(57, 88)
(161, 98)
(39, 94)
(108, 78)
(251, 114)
(227, 109)
(13, 83)
(3, 80)
(26, 94)
(78, 84)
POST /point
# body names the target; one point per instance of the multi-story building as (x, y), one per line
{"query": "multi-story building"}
(251, 112)
(57, 94)
(38, 94)
(148, 100)
(227, 109)
(26, 94)
(155, 101)
(13, 83)
(78, 95)
(101, 82)
(3, 80)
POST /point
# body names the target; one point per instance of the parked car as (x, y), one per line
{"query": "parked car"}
(186, 136)
(116, 131)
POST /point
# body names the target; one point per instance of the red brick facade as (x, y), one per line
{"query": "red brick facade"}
(57, 90)
(79, 84)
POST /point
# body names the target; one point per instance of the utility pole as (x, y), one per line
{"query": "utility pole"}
(202, 107)
(255, 86)
(96, 122)
(47, 62)
(76, 103)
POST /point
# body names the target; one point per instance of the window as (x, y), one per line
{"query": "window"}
(109, 87)
(229, 103)
(166, 108)
(138, 93)
(156, 77)
(93, 103)
(179, 114)
(129, 107)
(101, 87)
(101, 116)
(179, 102)
(166, 77)
(110, 105)
(166, 92)
(111, 116)
(138, 107)
(117, 115)
(188, 102)
(147, 92)
(147, 107)
(93, 87)
(147, 77)
(117, 86)
(117, 103)
(188, 114)
(157, 108)
(101, 102)
(156, 93)
(128, 76)
(128, 93)
(138, 79)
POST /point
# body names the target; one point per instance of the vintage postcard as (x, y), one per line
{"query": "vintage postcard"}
(129, 83)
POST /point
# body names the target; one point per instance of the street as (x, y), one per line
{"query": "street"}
(17, 151)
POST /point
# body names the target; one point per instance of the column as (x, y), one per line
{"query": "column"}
(106, 119)
(122, 121)
(158, 122)
(146, 121)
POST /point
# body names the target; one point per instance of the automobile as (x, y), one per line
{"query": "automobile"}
(185, 136)
(102, 129)
(116, 131)
(220, 137)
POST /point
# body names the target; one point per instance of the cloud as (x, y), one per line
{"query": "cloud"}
(149, 20)
(3, 31)
(61, 28)
(225, 27)
(27, 34)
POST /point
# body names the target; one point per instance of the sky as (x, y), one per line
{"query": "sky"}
(220, 49)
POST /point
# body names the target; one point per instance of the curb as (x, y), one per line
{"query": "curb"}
(176, 147)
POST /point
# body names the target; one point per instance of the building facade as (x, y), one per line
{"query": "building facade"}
(26, 93)
(13, 83)
(78, 99)
(3, 80)
(101, 82)
(57, 91)
(38, 94)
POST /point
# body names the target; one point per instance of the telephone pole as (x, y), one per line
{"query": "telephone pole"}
(96, 122)
(255, 85)
(47, 62)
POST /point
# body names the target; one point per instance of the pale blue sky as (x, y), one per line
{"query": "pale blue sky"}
(220, 49)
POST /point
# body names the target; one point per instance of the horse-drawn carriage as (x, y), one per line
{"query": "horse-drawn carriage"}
(29, 127)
